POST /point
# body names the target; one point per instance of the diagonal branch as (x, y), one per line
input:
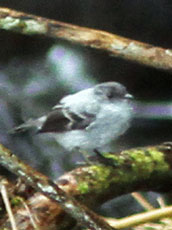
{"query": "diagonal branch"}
(115, 45)
(85, 217)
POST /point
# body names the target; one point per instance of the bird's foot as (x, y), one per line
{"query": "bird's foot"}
(88, 159)
(104, 160)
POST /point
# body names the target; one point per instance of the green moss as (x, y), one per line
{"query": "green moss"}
(96, 179)
(149, 228)
(146, 162)
(15, 201)
(129, 166)
(83, 187)
(118, 159)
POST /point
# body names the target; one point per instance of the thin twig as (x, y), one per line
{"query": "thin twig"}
(141, 200)
(4, 194)
(161, 202)
(115, 45)
(30, 216)
(134, 220)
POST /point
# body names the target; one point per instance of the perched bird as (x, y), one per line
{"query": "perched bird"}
(89, 119)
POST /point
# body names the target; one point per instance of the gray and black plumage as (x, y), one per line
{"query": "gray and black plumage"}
(89, 119)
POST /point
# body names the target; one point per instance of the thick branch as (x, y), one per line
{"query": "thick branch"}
(113, 44)
(85, 217)
(147, 168)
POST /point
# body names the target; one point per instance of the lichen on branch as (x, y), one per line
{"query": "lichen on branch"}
(113, 44)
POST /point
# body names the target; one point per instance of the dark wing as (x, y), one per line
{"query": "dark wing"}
(61, 120)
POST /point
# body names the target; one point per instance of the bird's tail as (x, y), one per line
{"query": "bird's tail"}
(30, 124)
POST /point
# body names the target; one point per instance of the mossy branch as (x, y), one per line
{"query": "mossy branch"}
(147, 168)
(115, 45)
(84, 217)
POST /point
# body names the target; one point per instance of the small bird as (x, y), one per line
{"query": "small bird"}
(89, 119)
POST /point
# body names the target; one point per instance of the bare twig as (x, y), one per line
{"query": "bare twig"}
(115, 45)
(145, 217)
(4, 194)
(141, 200)
(33, 222)
(161, 202)
(82, 214)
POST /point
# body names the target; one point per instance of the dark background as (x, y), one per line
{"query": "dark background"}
(31, 83)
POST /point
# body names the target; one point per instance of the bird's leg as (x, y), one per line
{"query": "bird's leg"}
(101, 159)
(86, 156)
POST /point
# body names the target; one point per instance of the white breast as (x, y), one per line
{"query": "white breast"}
(110, 123)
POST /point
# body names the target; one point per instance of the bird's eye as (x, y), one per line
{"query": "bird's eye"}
(110, 95)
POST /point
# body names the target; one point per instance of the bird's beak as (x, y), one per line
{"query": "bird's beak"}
(128, 96)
